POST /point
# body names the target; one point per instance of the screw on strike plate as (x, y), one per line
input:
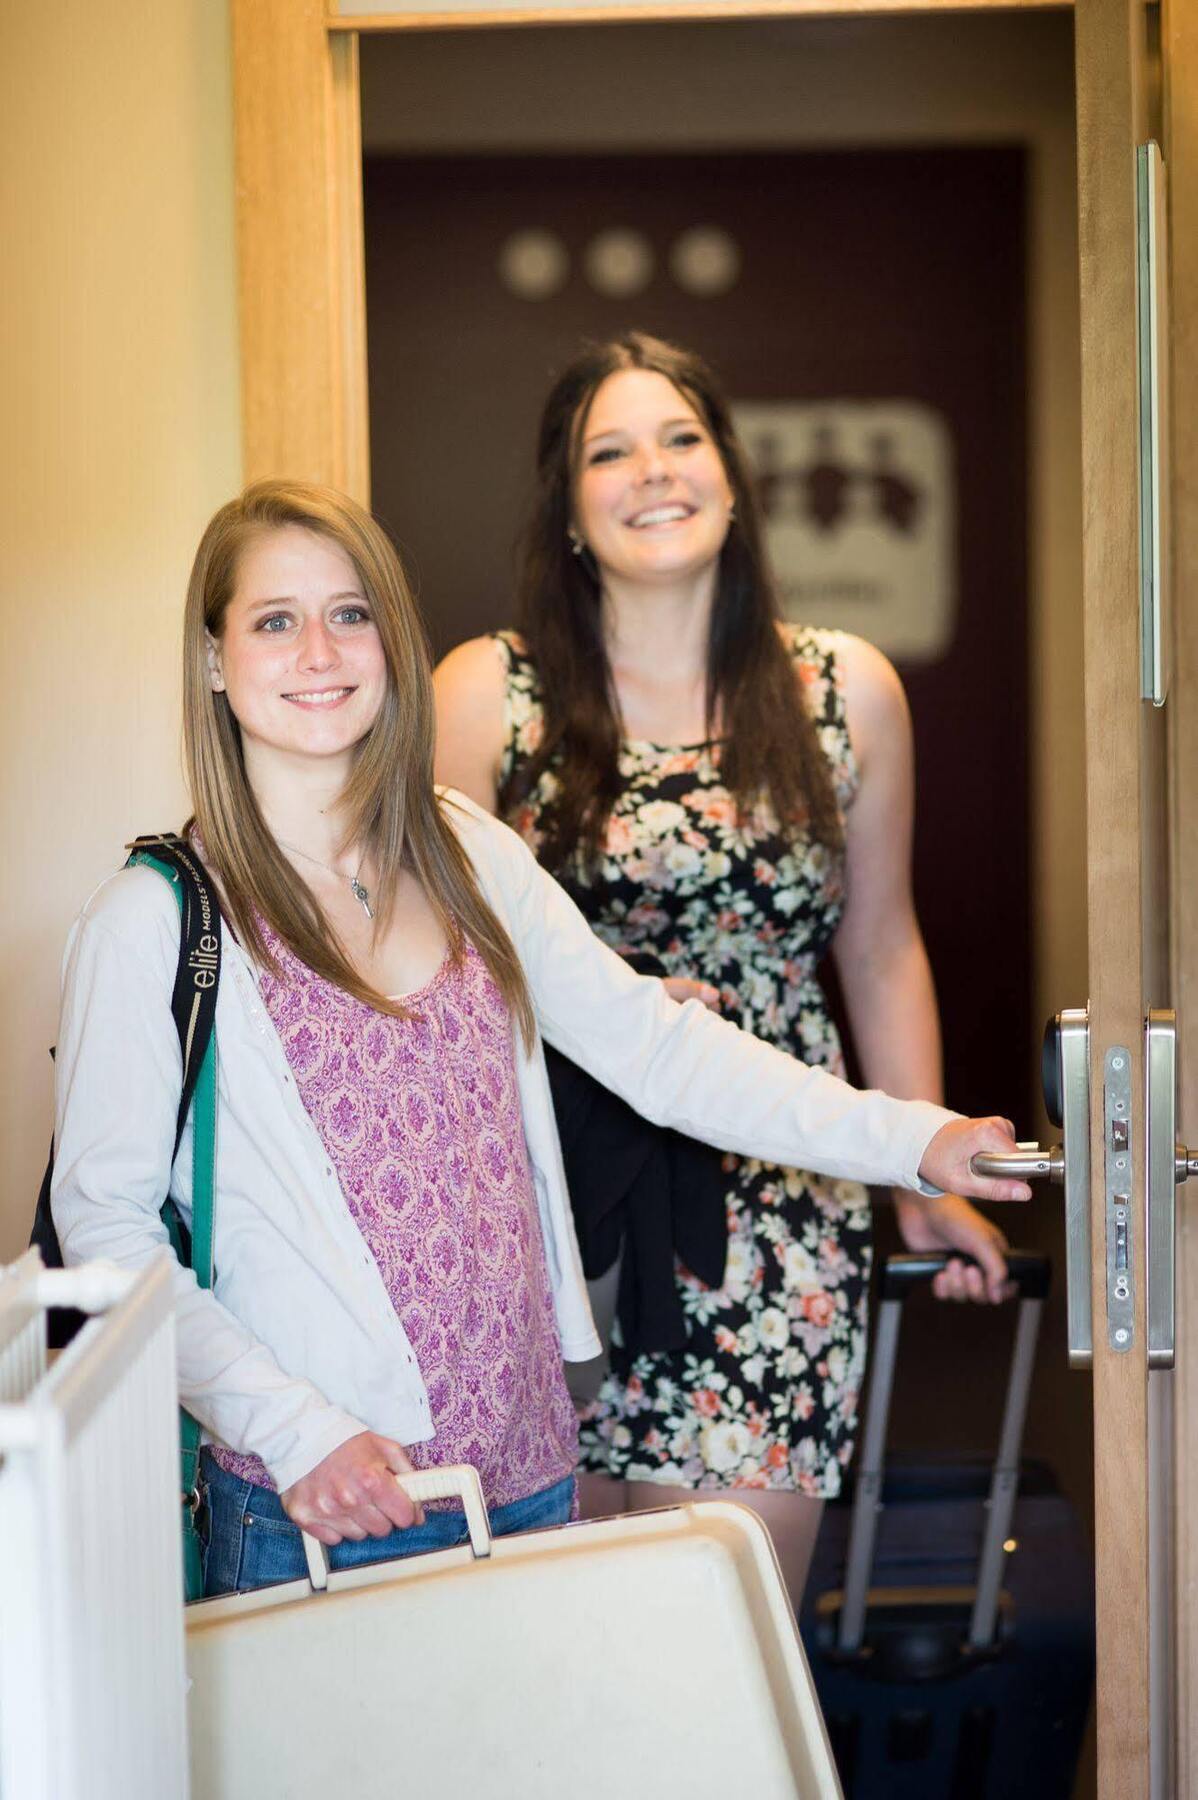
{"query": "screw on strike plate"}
(1121, 1336)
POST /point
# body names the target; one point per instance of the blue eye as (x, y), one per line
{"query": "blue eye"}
(352, 615)
(609, 454)
(683, 440)
(274, 619)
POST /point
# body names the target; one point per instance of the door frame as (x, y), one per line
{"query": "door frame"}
(1179, 46)
(301, 289)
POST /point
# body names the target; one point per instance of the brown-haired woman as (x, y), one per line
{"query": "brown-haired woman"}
(730, 794)
(397, 1280)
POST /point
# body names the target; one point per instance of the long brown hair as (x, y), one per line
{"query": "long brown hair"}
(770, 748)
(390, 805)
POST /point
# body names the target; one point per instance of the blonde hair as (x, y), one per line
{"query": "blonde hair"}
(390, 804)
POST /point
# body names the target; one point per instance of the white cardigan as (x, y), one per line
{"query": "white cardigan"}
(299, 1346)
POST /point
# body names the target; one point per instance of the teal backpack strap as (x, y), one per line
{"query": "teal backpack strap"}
(193, 1005)
(203, 1163)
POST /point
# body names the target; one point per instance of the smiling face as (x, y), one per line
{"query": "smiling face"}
(299, 655)
(651, 498)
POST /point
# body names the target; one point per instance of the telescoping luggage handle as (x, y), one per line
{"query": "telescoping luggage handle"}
(901, 1275)
(456, 1481)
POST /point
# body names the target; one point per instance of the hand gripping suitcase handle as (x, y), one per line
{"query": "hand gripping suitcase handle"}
(902, 1274)
(457, 1481)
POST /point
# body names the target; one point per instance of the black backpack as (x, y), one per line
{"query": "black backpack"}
(193, 1006)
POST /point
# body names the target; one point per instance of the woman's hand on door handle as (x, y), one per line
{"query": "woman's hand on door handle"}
(945, 1162)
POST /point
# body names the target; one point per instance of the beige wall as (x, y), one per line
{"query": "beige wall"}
(118, 335)
(118, 351)
(789, 83)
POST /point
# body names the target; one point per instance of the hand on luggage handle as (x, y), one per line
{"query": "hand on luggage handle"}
(455, 1481)
(1028, 1270)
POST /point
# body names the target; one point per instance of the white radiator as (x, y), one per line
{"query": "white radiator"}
(92, 1700)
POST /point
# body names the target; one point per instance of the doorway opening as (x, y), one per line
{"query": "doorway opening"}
(869, 228)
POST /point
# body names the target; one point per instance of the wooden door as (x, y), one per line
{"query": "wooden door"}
(1134, 944)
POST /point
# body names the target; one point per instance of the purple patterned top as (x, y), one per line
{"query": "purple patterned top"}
(421, 1119)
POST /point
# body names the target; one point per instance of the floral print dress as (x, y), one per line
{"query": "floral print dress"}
(764, 1394)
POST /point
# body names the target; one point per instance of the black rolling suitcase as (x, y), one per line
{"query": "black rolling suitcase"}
(949, 1617)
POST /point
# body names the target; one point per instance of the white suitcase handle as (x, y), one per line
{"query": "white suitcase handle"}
(457, 1481)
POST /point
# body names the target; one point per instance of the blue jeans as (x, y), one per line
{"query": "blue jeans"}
(250, 1542)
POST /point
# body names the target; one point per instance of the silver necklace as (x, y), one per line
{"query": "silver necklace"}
(357, 888)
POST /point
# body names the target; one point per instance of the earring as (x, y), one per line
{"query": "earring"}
(216, 678)
(576, 544)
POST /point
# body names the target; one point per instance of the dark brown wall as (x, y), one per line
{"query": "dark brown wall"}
(874, 275)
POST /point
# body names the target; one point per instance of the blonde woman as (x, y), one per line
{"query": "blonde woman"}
(397, 1279)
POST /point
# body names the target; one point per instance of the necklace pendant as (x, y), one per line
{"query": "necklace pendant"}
(361, 895)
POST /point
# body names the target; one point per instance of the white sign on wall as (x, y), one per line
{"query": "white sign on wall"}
(859, 500)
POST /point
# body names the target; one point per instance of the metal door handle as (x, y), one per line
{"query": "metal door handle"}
(1167, 1164)
(1028, 1163)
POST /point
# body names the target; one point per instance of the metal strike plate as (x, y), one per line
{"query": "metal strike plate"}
(1121, 1248)
(1074, 1072)
(1162, 1176)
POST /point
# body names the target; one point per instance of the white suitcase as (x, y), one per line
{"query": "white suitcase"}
(651, 1654)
